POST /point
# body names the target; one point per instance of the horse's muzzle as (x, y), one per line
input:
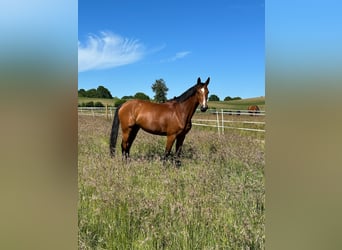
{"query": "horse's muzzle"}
(204, 108)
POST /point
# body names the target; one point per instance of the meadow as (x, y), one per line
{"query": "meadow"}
(215, 200)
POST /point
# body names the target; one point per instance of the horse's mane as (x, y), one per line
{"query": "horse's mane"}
(186, 95)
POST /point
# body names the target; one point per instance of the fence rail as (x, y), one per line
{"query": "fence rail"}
(223, 117)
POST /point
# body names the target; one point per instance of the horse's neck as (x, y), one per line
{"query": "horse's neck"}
(188, 108)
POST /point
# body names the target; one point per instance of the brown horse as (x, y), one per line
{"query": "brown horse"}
(171, 119)
(253, 109)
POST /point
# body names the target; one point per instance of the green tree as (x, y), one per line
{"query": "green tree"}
(236, 98)
(98, 104)
(115, 99)
(127, 97)
(119, 102)
(89, 104)
(228, 98)
(214, 98)
(91, 93)
(82, 93)
(141, 96)
(102, 92)
(160, 90)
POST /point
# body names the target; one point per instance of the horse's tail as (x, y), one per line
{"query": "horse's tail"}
(114, 132)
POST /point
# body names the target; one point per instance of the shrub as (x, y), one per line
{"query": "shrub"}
(89, 104)
(214, 98)
(98, 104)
(119, 102)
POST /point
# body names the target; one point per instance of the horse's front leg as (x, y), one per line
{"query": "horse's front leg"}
(179, 145)
(169, 143)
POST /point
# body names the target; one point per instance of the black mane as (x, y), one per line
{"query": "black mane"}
(186, 95)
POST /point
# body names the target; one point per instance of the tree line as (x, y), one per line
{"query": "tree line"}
(100, 92)
(158, 87)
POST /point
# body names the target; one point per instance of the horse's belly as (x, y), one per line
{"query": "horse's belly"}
(158, 125)
(154, 131)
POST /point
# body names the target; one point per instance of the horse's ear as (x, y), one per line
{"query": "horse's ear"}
(207, 81)
(199, 80)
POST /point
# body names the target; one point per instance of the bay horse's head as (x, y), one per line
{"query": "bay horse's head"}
(202, 93)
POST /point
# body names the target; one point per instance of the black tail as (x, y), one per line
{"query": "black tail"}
(114, 133)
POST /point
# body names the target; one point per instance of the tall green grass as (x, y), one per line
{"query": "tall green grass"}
(215, 200)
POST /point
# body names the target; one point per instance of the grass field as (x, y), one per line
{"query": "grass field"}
(216, 200)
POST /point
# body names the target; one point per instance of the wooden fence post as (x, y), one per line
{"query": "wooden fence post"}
(218, 122)
(222, 121)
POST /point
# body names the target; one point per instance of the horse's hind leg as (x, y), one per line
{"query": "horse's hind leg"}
(131, 137)
(128, 136)
(125, 134)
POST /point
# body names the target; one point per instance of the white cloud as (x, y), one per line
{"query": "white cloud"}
(108, 51)
(178, 55)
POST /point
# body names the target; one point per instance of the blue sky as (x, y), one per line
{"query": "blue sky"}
(126, 45)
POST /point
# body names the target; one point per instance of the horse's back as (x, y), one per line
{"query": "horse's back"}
(151, 117)
(142, 106)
